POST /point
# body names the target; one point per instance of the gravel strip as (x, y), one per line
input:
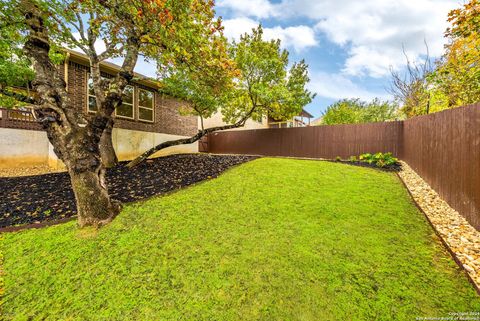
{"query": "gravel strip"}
(462, 238)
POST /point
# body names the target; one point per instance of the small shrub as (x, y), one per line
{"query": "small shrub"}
(338, 159)
(353, 159)
(379, 159)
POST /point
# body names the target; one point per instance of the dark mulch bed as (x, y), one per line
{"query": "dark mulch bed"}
(41, 198)
(392, 168)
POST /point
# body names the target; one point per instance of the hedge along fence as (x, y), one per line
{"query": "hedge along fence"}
(443, 148)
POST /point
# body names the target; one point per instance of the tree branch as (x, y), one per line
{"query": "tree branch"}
(189, 140)
(70, 35)
(49, 86)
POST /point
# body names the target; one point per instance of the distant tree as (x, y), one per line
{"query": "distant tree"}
(264, 86)
(454, 79)
(411, 87)
(457, 74)
(354, 111)
(203, 82)
(379, 110)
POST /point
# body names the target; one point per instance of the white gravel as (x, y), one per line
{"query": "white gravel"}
(462, 238)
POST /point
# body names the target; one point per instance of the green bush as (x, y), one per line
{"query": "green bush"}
(379, 159)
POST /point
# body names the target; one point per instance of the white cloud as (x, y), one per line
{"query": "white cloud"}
(236, 27)
(375, 31)
(338, 86)
(251, 8)
(296, 37)
(372, 32)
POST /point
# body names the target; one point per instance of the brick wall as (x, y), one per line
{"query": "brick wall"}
(168, 115)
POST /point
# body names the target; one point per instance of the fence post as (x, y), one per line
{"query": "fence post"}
(3, 116)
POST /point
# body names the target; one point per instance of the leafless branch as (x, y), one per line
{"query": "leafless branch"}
(410, 86)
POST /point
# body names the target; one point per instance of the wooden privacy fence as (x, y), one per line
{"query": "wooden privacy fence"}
(312, 142)
(443, 148)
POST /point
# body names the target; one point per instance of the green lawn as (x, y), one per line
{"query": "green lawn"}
(273, 239)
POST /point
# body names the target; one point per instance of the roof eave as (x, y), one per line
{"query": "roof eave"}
(112, 68)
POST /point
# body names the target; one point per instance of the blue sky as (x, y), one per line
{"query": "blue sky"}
(350, 45)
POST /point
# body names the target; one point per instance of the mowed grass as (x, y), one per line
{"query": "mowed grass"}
(273, 239)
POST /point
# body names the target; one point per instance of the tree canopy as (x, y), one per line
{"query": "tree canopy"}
(457, 75)
(15, 68)
(266, 85)
(354, 111)
(262, 85)
(454, 79)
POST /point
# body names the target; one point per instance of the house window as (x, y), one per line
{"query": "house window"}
(145, 105)
(125, 110)
(92, 100)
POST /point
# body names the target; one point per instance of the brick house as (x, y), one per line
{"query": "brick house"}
(145, 118)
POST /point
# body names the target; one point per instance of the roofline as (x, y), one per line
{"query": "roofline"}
(112, 68)
(308, 114)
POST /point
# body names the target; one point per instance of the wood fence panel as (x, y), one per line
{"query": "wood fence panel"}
(311, 142)
(444, 148)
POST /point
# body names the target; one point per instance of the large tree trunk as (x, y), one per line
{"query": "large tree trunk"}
(76, 140)
(81, 154)
(94, 206)
(109, 157)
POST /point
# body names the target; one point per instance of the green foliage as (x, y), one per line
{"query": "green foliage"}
(265, 86)
(202, 82)
(465, 21)
(253, 82)
(15, 68)
(353, 111)
(268, 243)
(457, 75)
(353, 159)
(379, 159)
(455, 80)
(458, 72)
(15, 71)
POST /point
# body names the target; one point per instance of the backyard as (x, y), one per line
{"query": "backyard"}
(271, 239)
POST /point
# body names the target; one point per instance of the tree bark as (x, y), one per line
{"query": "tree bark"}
(75, 144)
(109, 156)
(80, 152)
(94, 206)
